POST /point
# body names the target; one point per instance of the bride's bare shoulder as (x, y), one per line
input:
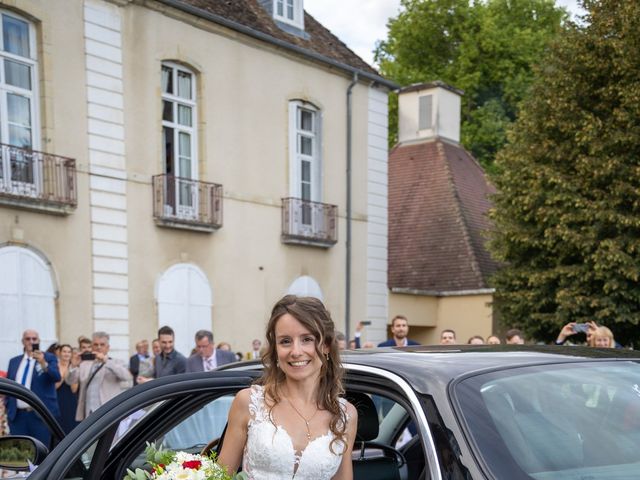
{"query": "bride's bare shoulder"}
(243, 396)
(352, 412)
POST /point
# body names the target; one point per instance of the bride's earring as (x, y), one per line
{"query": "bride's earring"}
(326, 355)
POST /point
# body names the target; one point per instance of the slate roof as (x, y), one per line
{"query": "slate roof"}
(438, 201)
(251, 14)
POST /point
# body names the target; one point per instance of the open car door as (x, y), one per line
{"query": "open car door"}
(181, 412)
(12, 389)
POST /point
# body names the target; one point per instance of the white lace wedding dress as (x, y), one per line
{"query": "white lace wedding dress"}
(269, 452)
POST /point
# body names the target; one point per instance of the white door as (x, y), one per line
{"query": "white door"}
(184, 303)
(305, 286)
(27, 300)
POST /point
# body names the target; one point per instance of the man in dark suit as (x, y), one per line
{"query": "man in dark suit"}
(141, 356)
(37, 371)
(169, 361)
(207, 356)
(399, 330)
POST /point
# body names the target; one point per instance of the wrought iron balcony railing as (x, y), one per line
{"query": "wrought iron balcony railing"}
(186, 203)
(37, 180)
(309, 223)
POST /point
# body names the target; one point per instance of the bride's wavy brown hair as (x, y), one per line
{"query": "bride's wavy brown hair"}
(311, 313)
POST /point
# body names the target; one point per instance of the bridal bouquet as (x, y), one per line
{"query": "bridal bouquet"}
(170, 465)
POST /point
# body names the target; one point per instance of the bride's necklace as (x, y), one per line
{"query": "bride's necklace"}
(306, 422)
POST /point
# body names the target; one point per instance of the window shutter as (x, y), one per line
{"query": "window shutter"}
(426, 112)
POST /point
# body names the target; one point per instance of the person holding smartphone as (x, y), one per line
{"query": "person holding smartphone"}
(573, 328)
(37, 371)
(357, 335)
(100, 377)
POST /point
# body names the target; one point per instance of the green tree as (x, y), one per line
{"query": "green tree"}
(567, 214)
(486, 48)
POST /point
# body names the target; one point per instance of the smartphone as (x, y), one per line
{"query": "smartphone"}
(88, 356)
(366, 322)
(35, 346)
(581, 327)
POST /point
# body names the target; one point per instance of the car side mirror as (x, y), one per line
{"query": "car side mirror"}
(19, 453)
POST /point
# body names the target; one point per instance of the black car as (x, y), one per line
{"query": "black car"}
(471, 412)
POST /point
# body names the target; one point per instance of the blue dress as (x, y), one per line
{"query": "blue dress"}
(68, 403)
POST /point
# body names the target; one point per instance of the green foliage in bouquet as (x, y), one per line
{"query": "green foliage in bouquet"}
(166, 464)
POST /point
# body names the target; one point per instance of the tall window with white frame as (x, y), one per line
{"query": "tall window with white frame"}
(18, 105)
(179, 140)
(306, 162)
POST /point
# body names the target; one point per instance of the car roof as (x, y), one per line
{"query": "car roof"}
(430, 367)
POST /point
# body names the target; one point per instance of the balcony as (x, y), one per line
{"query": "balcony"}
(309, 223)
(36, 180)
(187, 203)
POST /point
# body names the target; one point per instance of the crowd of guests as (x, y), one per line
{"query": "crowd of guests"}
(400, 331)
(75, 381)
(596, 336)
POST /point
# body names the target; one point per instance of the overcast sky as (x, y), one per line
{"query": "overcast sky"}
(360, 23)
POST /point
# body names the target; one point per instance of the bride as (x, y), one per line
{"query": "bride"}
(292, 422)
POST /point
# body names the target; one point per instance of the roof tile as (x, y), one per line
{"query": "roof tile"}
(438, 204)
(251, 14)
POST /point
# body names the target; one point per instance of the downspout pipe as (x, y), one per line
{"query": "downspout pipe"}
(347, 301)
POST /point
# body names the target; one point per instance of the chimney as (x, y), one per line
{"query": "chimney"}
(427, 111)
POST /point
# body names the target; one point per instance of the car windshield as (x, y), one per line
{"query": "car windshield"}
(567, 421)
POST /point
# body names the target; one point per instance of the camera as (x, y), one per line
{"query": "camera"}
(366, 322)
(87, 356)
(35, 346)
(581, 327)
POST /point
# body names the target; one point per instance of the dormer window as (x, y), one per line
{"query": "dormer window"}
(290, 12)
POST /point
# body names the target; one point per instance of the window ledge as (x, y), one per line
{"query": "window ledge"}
(307, 242)
(186, 225)
(292, 28)
(37, 205)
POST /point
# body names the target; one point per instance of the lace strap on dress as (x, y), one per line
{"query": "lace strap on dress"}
(257, 410)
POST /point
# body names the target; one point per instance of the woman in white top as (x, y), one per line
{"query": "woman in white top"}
(292, 423)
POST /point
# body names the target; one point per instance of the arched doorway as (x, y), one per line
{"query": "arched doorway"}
(27, 300)
(184, 301)
(305, 286)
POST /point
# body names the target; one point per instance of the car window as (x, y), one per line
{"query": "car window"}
(396, 449)
(132, 420)
(24, 420)
(80, 468)
(555, 422)
(194, 432)
(391, 417)
(124, 426)
(86, 457)
(197, 430)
